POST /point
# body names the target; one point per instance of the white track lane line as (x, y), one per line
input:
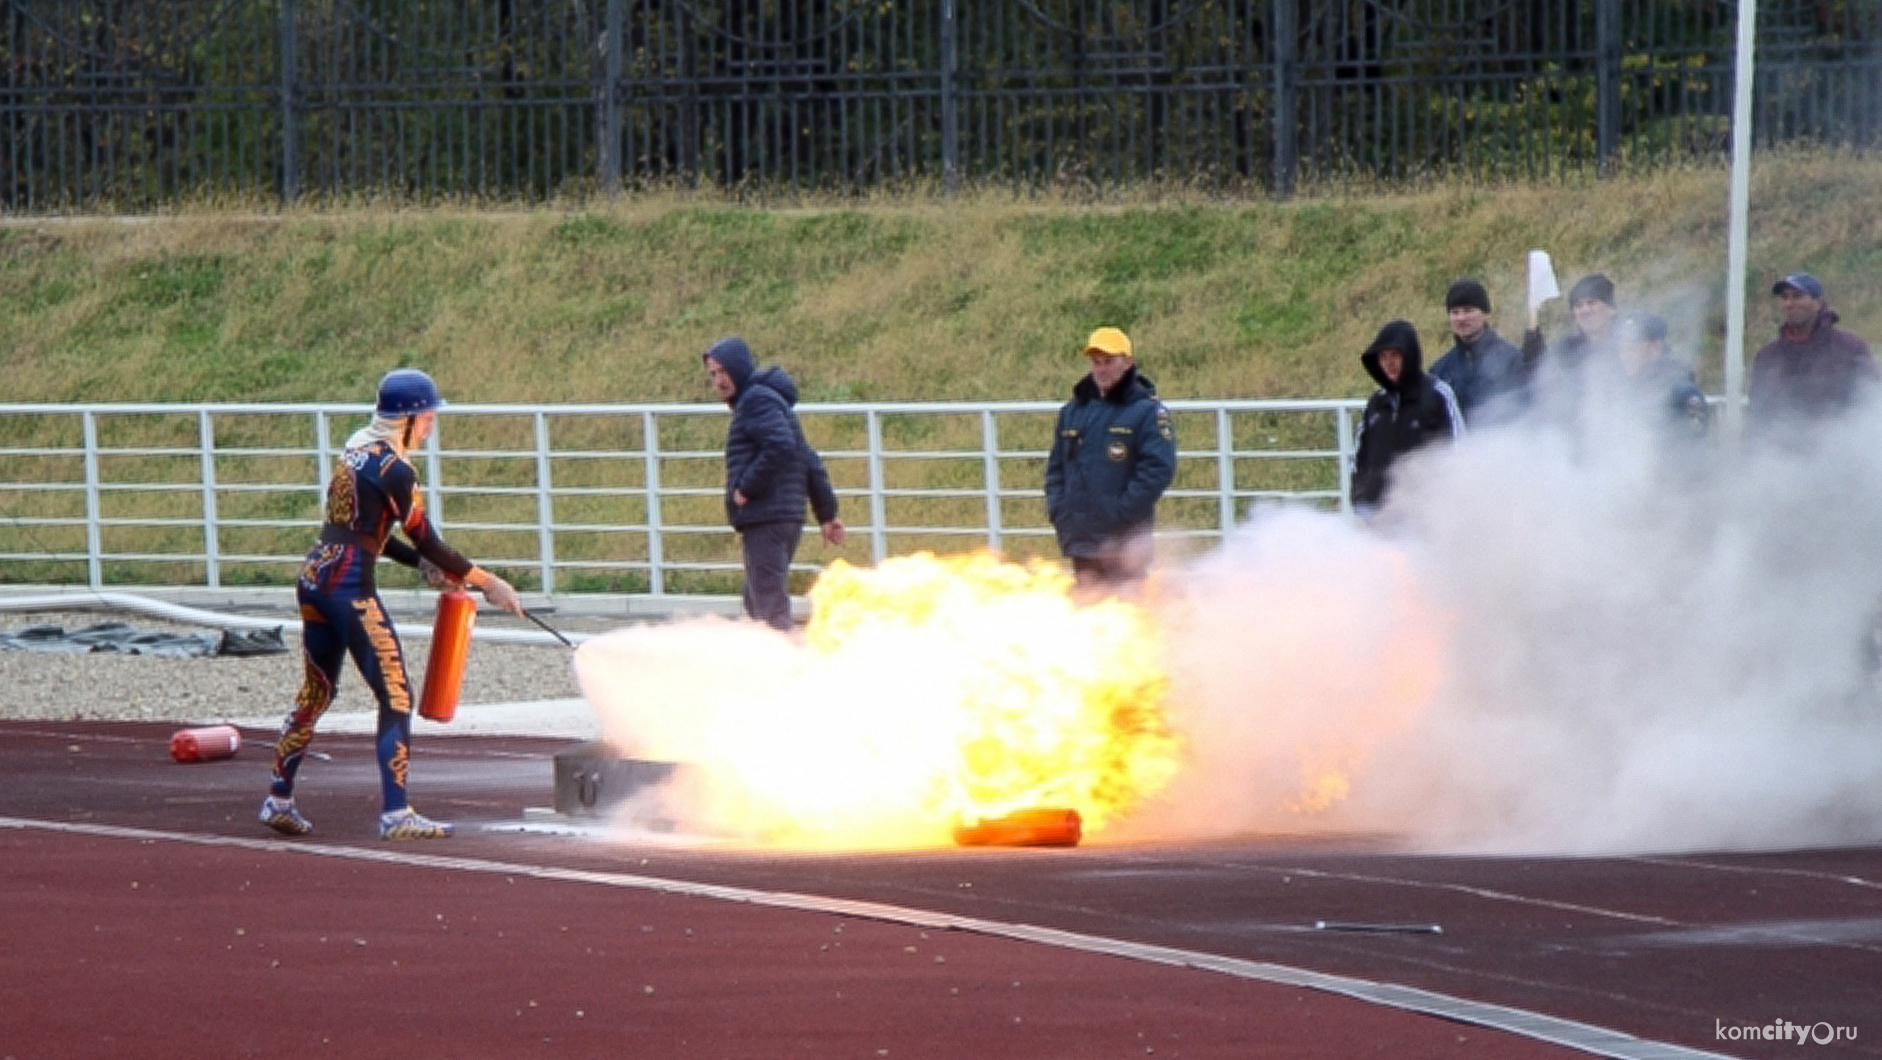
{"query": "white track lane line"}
(1587, 1038)
(1763, 870)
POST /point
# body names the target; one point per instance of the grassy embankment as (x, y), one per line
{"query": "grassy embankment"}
(986, 298)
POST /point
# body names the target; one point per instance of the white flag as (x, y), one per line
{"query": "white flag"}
(1541, 280)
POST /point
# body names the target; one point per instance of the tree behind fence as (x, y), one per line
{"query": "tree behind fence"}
(130, 104)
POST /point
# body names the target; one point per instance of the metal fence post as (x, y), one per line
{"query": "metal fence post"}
(212, 551)
(1345, 426)
(878, 535)
(990, 473)
(950, 113)
(1225, 470)
(545, 508)
(1286, 34)
(650, 452)
(323, 444)
(290, 131)
(1607, 72)
(608, 152)
(94, 543)
(434, 477)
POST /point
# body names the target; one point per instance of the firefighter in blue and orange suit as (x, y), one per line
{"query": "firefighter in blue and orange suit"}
(374, 490)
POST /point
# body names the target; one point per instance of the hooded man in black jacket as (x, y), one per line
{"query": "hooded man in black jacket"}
(1113, 455)
(1409, 409)
(769, 471)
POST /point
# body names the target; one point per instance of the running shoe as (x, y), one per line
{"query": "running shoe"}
(281, 815)
(410, 824)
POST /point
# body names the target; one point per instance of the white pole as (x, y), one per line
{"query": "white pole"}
(1743, 77)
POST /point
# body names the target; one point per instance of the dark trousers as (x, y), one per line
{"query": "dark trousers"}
(1119, 569)
(341, 616)
(768, 551)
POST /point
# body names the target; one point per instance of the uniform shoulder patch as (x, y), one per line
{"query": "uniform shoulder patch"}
(1164, 426)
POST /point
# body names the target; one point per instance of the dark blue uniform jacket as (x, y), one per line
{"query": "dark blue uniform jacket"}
(1112, 457)
(766, 456)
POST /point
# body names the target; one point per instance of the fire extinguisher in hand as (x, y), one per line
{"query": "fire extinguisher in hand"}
(450, 650)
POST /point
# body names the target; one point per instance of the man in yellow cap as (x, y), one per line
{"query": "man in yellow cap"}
(1113, 455)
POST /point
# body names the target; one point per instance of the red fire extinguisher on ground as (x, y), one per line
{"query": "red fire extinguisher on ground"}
(206, 744)
(450, 650)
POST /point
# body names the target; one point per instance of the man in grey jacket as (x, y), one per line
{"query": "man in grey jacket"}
(769, 472)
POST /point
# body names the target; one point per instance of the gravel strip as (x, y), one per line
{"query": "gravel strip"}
(46, 687)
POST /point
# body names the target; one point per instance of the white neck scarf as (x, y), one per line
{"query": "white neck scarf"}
(387, 429)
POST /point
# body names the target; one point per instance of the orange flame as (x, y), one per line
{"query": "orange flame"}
(1059, 705)
(927, 691)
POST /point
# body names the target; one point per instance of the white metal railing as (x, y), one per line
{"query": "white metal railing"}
(33, 476)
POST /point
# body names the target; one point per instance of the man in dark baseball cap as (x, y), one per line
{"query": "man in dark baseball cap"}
(1483, 369)
(1813, 372)
(1655, 376)
(1802, 282)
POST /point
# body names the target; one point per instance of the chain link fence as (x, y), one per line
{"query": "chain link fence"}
(133, 104)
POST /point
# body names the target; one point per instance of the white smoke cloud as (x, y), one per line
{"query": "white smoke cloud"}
(1572, 634)
(1639, 645)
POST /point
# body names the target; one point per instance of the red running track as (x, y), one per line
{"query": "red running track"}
(156, 949)
(1660, 948)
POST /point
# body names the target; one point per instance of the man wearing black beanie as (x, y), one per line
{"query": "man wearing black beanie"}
(1591, 303)
(1483, 369)
(1558, 371)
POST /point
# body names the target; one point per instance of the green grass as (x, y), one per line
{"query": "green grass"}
(985, 297)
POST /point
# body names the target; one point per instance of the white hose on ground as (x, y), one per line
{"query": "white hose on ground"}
(103, 601)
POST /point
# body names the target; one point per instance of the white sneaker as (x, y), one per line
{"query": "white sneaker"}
(410, 824)
(279, 813)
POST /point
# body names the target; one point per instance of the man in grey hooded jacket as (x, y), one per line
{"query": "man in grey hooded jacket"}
(770, 470)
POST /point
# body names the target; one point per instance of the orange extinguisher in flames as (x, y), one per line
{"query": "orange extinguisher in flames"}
(450, 650)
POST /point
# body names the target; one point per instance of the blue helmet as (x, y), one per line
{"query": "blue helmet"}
(407, 392)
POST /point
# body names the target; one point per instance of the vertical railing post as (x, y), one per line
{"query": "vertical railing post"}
(650, 452)
(212, 551)
(990, 474)
(545, 509)
(1225, 470)
(323, 466)
(290, 125)
(1607, 73)
(94, 539)
(1738, 223)
(1286, 35)
(1344, 424)
(950, 113)
(434, 476)
(878, 534)
(608, 153)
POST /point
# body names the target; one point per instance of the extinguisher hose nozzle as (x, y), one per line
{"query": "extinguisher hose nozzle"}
(554, 632)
